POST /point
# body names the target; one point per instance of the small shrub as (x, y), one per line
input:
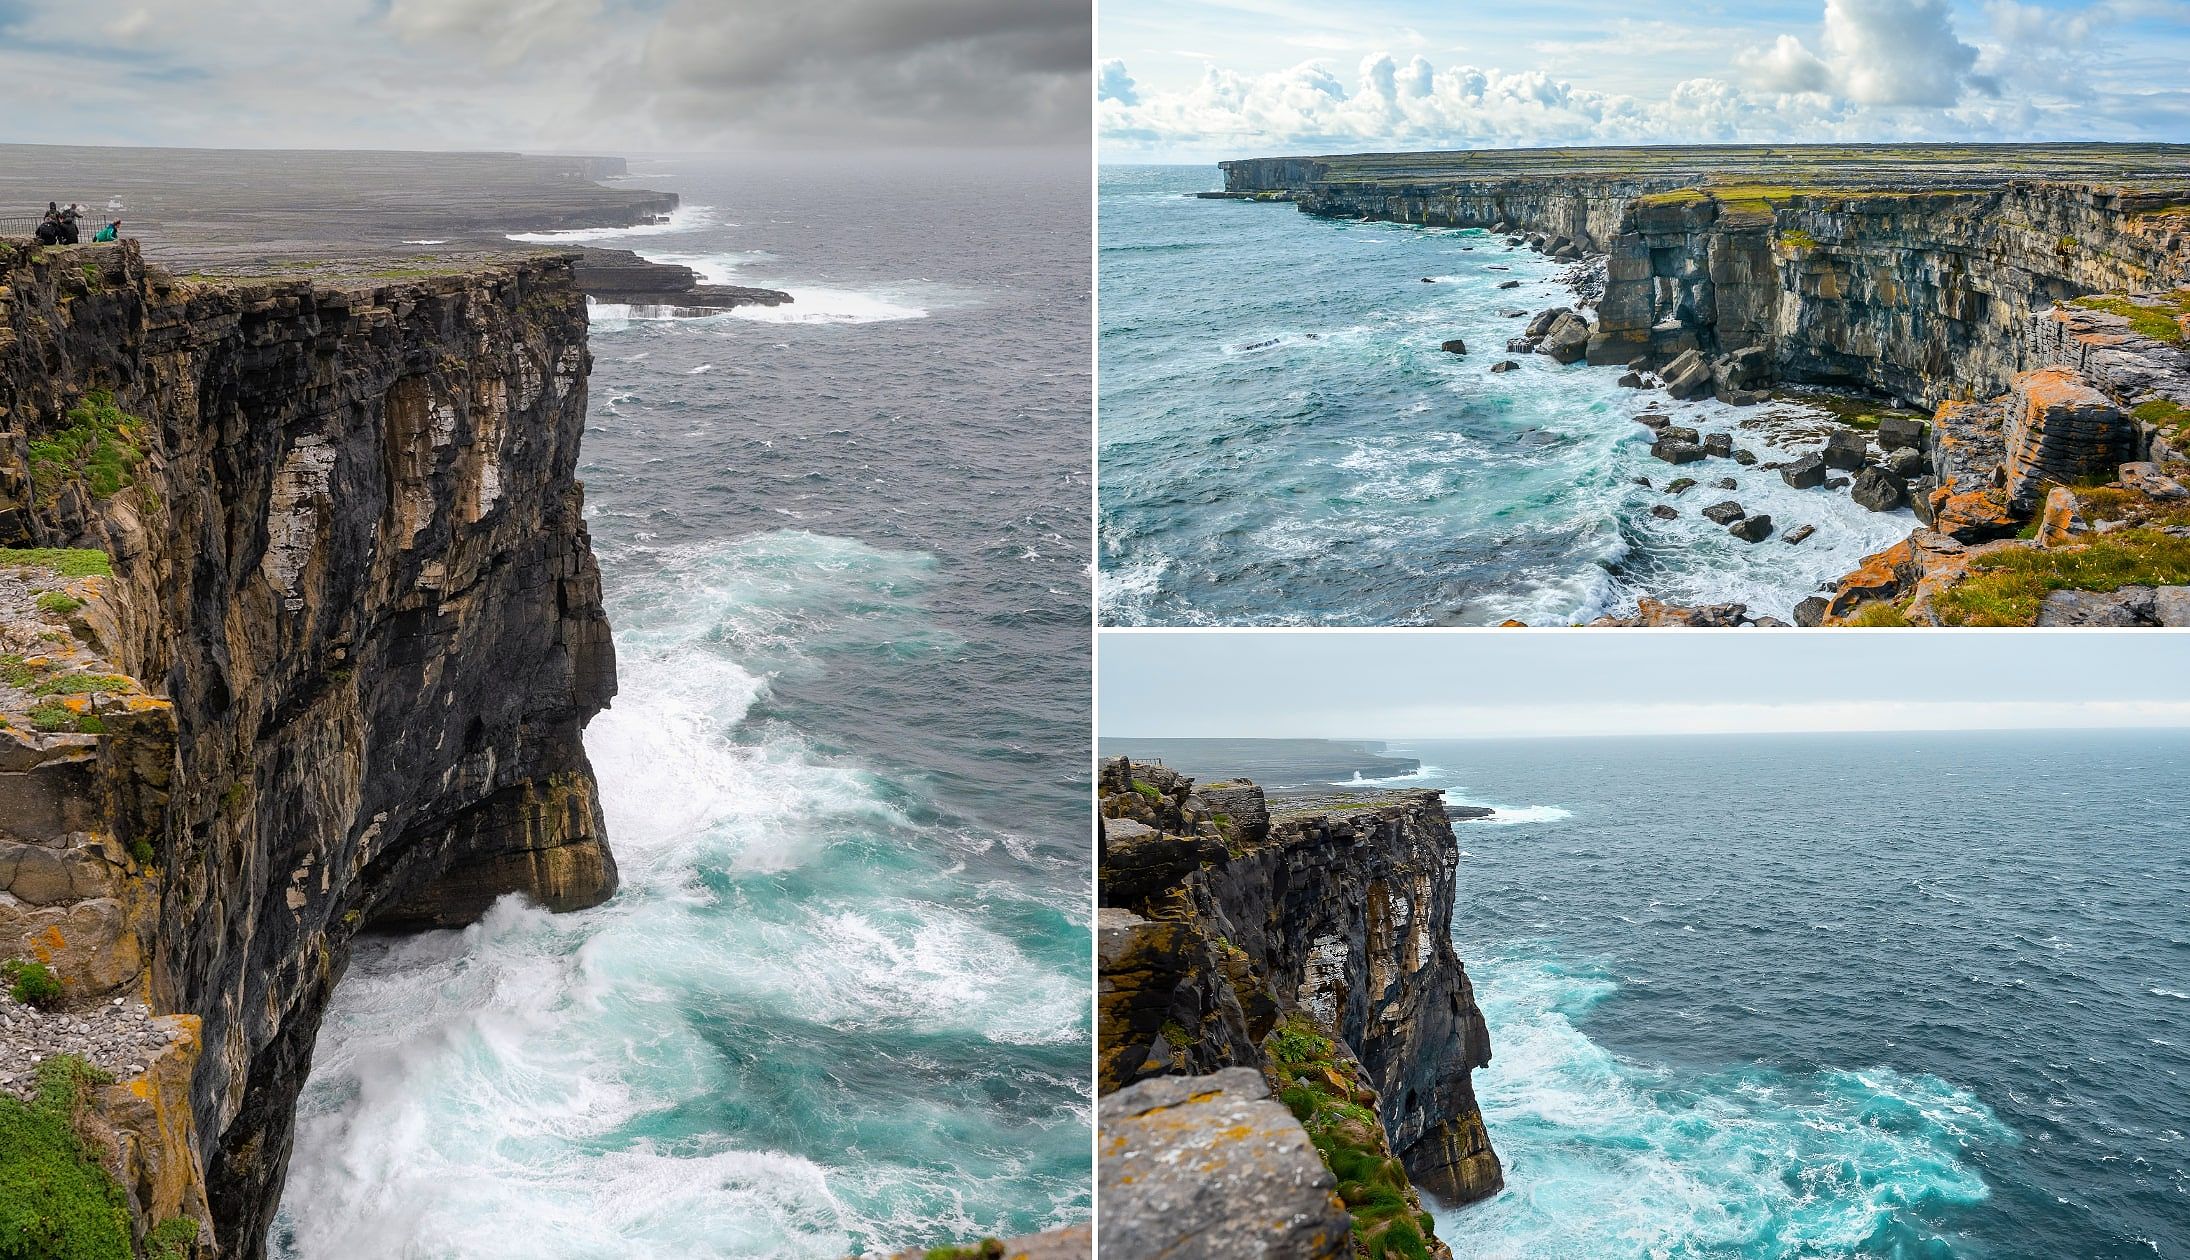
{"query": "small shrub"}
(1147, 789)
(32, 983)
(1879, 613)
(53, 716)
(173, 1239)
(59, 603)
(98, 448)
(17, 672)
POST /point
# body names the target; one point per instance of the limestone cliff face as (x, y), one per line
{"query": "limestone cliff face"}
(355, 605)
(1921, 294)
(1223, 922)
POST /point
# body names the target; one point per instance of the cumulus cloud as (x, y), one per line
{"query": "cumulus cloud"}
(1114, 84)
(1877, 52)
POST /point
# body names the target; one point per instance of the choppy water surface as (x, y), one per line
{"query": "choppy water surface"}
(1283, 442)
(841, 1002)
(1845, 996)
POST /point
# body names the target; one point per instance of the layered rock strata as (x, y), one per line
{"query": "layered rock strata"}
(338, 633)
(1973, 281)
(1312, 945)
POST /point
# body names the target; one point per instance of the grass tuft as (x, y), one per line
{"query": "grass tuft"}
(2006, 587)
(56, 1202)
(69, 562)
(98, 448)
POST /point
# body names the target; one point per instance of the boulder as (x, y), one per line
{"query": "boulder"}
(1806, 473)
(1213, 1166)
(1687, 376)
(1904, 463)
(1725, 483)
(1568, 339)
(1504, 365)
(1751, 528)
(1521, 345)
(2147, 479)
(1810, 611)
(1719, 444)
(1744, 456)
(1680, 485)
(1673, 451)
(2060, 522)
(1509, 284)
(2171, 605)
(1455, 346)
(1878, 490)
(1632, 380)
(1838, 483)
(1652, 420)
(1664, 511)
(2129, 606)
(1681, 433)
(1541, 322)
(1846, 450)
(1798, 533)
(1741, 398)
(1724, 513)
(1897, 433)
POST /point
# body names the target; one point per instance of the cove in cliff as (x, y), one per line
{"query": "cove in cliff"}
(1989, 325)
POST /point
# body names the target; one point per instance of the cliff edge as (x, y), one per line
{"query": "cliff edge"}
(1312, 945)
(303, 627)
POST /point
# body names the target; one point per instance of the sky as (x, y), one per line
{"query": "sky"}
(1504, 685)
(614, 76)
(1195, 81)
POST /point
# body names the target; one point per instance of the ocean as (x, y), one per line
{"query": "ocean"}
(1284, 443)
(841, 1002)
(1905, 995)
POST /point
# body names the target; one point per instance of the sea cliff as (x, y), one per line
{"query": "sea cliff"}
(1312, 945)
(305, 649)
(2035, 300)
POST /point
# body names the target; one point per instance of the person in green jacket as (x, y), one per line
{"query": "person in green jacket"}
(111, 231)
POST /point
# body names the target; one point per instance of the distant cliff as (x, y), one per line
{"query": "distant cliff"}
(1312, 946)
(2036, 299)
(334, 680)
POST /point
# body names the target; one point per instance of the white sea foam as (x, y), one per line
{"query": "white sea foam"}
(681, 219)
(477, 1091)
(832, 306)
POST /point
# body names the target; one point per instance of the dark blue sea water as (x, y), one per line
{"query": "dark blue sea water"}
(1283, 442)
(1831, 996)
(841, 1003)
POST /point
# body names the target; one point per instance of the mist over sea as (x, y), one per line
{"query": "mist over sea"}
(1283, 441)
(840, 1003)
(1828, 996)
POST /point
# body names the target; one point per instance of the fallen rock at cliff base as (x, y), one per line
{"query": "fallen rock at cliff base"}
(1806, 473)
(1751, 529)
(1846, 451)
(1876, 489)
(1798, 533)
(1454, 346)
(1724, 513)
(1675, 451)
(1504, 365)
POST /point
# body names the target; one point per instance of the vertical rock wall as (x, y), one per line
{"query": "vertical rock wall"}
(349, 556)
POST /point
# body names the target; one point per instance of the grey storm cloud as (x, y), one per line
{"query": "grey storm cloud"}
(898, 71)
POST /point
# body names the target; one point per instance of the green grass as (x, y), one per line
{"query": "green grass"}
(2159, 322)
(1798, 239)
(2161, 413)
(31, 983)
(56, 1202)
(17, 672)
(97, 448)
(2006, 587)
(1322, 1090)
(173, 1239)
(1147, 789)
(69, 562)
(59, 603)
(986, 1249)
(81, 685)
(1880, 613)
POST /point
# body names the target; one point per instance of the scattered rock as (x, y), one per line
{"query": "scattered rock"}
(1674, 451)
(1811, 611)
(1568, 339)
(1744, 456)
(1652, 421)
(1837, 483)
(1751, 528)
(1726, 483)
(1724, 513)
(1718, 444)
(1541, 322)
(2129, 606)
(1906, 464)
(1664, 511)
(1680, 485)
(1504, 365)
(1798, 533)
(2060, 521)
(1509, 284)
(1878, 490)
(2146, 479)
(1688, 375)
(1681, 433)
(1806, 473)
(1846, 450)
(1455, 346)
(1897, 433)
(1632, 380)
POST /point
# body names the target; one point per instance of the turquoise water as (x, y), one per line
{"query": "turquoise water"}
(840, 1004)
(1834, 996)
(1283, 442)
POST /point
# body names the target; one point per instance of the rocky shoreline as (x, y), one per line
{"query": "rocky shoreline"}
(1285, 1036)
(2040, 324)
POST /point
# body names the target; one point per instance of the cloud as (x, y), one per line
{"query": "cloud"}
(1877, 52)
(1786, 66)
(872, 71)
(1114, 84)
